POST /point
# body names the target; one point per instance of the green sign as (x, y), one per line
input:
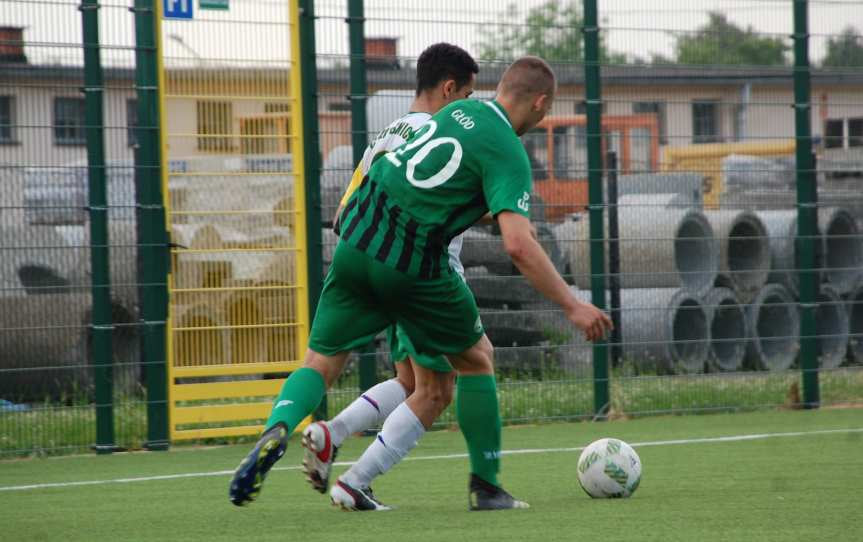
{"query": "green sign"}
(213, 4)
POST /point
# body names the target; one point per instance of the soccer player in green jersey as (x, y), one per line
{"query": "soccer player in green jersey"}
(390, 267)
(445, 73)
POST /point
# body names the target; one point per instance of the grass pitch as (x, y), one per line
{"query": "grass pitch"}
(796, 476)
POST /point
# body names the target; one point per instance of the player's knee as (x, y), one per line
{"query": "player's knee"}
(483, 361)
(405, 377)
(437, 393)
(330, 367)
(446, 396)
(488, 355)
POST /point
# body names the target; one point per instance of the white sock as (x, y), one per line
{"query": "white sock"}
(367, 411)
(399, 435)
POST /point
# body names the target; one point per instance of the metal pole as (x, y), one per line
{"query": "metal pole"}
(153, 237)
(101, 328)
(356, 32)
(614, 259)
(311, 160)
(601, 396)
(359, 140)
(807, 207)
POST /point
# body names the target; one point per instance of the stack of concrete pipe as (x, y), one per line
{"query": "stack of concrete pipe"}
(43, 315)
(831, 321)
(726, 319)
(669, 259)
(744, 253)
(838, 268)
(774, 329)
(665, 328)
(230, 282)
(843, 248)
(660, 247)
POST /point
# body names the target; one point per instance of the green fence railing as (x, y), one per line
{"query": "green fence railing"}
(733, 136)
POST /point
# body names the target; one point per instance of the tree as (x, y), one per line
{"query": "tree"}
(551, 30)
(722, 42)
(845, 50)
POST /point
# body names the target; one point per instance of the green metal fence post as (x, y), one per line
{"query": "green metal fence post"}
(312, 161)
(595, 199)
(101, 354)
(153, 238)
(807, 207)
(359, 140)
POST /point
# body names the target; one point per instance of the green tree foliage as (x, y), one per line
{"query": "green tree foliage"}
(844, 50)
(724, 43)
(551, 30)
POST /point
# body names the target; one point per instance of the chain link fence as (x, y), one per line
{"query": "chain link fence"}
(61, 287)
(698, 156)
(707, 206)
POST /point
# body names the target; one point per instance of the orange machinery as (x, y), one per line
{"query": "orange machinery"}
(557, 149)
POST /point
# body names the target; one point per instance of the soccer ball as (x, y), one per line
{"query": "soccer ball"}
(609, 468)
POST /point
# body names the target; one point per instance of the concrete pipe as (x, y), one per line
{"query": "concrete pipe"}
(285, 214)
(659, 248)
(782, 230)
(125, 348)
(481, 248)
(265, 296)
(41, 345)
(36, 260)
(723, 281)
(855, 325)
(123, 250)
(727, 321)
(843, 248)
(774, 329)
(244, 316)
(744, 250)
(685, 184)
(831, 321)
(666, 328)
(200, 336)
(196, 236)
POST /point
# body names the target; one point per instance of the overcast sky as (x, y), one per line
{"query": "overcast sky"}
(255, 30)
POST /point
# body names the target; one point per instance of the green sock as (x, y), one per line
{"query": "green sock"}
(300, 396)
(478, 416)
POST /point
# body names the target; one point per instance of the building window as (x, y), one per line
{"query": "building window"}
(69, 121)
(705, 121)
(215, 126)
(855, 132)
(7, 119)
(132, 122)
(280, 107)
(658, 109)
(834, 133)
(339, 106)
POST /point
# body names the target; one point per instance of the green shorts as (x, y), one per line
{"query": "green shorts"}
(397, 351)
(362, 297)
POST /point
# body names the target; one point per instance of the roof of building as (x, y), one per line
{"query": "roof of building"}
(568, 74)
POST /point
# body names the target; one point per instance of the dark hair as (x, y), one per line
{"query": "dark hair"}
(443, 61)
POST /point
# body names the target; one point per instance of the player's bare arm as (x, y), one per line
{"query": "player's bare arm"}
(532, 261)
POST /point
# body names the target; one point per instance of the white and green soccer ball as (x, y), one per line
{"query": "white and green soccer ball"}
(609, 468)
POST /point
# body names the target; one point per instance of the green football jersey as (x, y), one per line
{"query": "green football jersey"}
(464, 162)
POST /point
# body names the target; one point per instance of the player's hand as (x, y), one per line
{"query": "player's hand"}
(590, 320)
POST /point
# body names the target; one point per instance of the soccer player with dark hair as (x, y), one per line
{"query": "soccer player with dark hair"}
(445, 73)
(391, 267)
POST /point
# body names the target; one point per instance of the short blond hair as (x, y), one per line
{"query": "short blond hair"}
(528, 76)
